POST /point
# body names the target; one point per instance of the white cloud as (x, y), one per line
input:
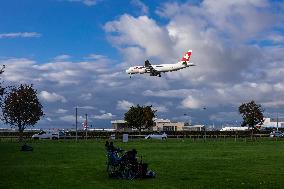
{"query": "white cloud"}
(61, 111)
(51, 97)
(19, 70)
(160, 108)
(20, 35)
(86, 107)
(141, 6)
(192, 103)
(141, 31)
(95, 56)
(68, 118)
(124, 105)
(62, 57)
(48, 119)
(279, 87)
(86, 96)
(179, 93)
(226, 38)
(276, 38)
(104, 116)
(86, 2)
(225, 116)
(236, 19)
(274, 103)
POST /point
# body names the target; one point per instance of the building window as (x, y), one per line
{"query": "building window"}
(168, 128)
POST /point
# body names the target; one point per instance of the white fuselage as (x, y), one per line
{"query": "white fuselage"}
(159, 68)
(169, 67)
(136, 70)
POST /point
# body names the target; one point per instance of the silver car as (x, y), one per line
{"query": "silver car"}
(276, 134)
(157, 136)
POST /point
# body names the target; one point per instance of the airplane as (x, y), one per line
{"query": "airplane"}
(156, 70)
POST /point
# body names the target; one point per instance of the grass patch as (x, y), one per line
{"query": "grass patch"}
(177, 163)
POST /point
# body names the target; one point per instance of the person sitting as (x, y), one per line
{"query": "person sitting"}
(113, 152)
(130, 156)
(107, 145)
(110, 147)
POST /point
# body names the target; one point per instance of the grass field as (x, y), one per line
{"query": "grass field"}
(177, 163)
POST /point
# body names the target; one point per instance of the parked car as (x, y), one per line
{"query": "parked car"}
(276, 134)
(53, 135)
(157, 136)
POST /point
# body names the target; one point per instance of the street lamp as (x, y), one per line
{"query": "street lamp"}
(76, 115)
(86, 124)
(277, 122)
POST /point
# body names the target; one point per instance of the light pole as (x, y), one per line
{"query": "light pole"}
(76, 115)
(277, 122)
(86, 124)
(204, 108)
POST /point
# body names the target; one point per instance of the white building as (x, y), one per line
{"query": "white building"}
(194, 128)
(167, 125)
(159, 125)
(273, 122)
(119, 125)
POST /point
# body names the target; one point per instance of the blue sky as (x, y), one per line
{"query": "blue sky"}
(65, 26)
(75, 53)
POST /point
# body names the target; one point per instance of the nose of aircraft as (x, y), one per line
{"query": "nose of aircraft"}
(128, 70)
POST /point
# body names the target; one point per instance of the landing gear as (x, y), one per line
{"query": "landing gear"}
(159, 75)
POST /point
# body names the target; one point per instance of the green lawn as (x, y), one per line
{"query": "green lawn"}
(177, 163)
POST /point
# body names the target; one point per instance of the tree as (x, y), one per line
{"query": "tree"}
(252, 114)
(139, 117)
(21, 108)
(2, 89)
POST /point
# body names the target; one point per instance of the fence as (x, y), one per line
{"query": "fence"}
(194, 135)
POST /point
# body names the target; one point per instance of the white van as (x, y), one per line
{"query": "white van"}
(47, 135)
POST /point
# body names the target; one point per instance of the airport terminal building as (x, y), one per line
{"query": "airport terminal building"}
(273, 123)
(159, 125)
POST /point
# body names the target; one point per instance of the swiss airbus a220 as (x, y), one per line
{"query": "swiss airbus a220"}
(156, 70)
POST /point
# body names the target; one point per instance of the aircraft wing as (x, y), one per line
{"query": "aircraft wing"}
(149, 68)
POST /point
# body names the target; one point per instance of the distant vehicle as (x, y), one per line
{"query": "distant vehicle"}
(234, 129)
(276, 134)
(157, 136)
(48, 135)
(156, 70)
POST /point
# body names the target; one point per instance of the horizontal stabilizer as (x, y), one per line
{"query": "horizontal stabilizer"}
(191, 64)
(187, 64)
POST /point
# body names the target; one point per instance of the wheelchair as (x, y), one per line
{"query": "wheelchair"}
(122, 167)
(119, 167)
(125, 165)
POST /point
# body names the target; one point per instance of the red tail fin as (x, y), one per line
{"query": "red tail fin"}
(186, 57)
